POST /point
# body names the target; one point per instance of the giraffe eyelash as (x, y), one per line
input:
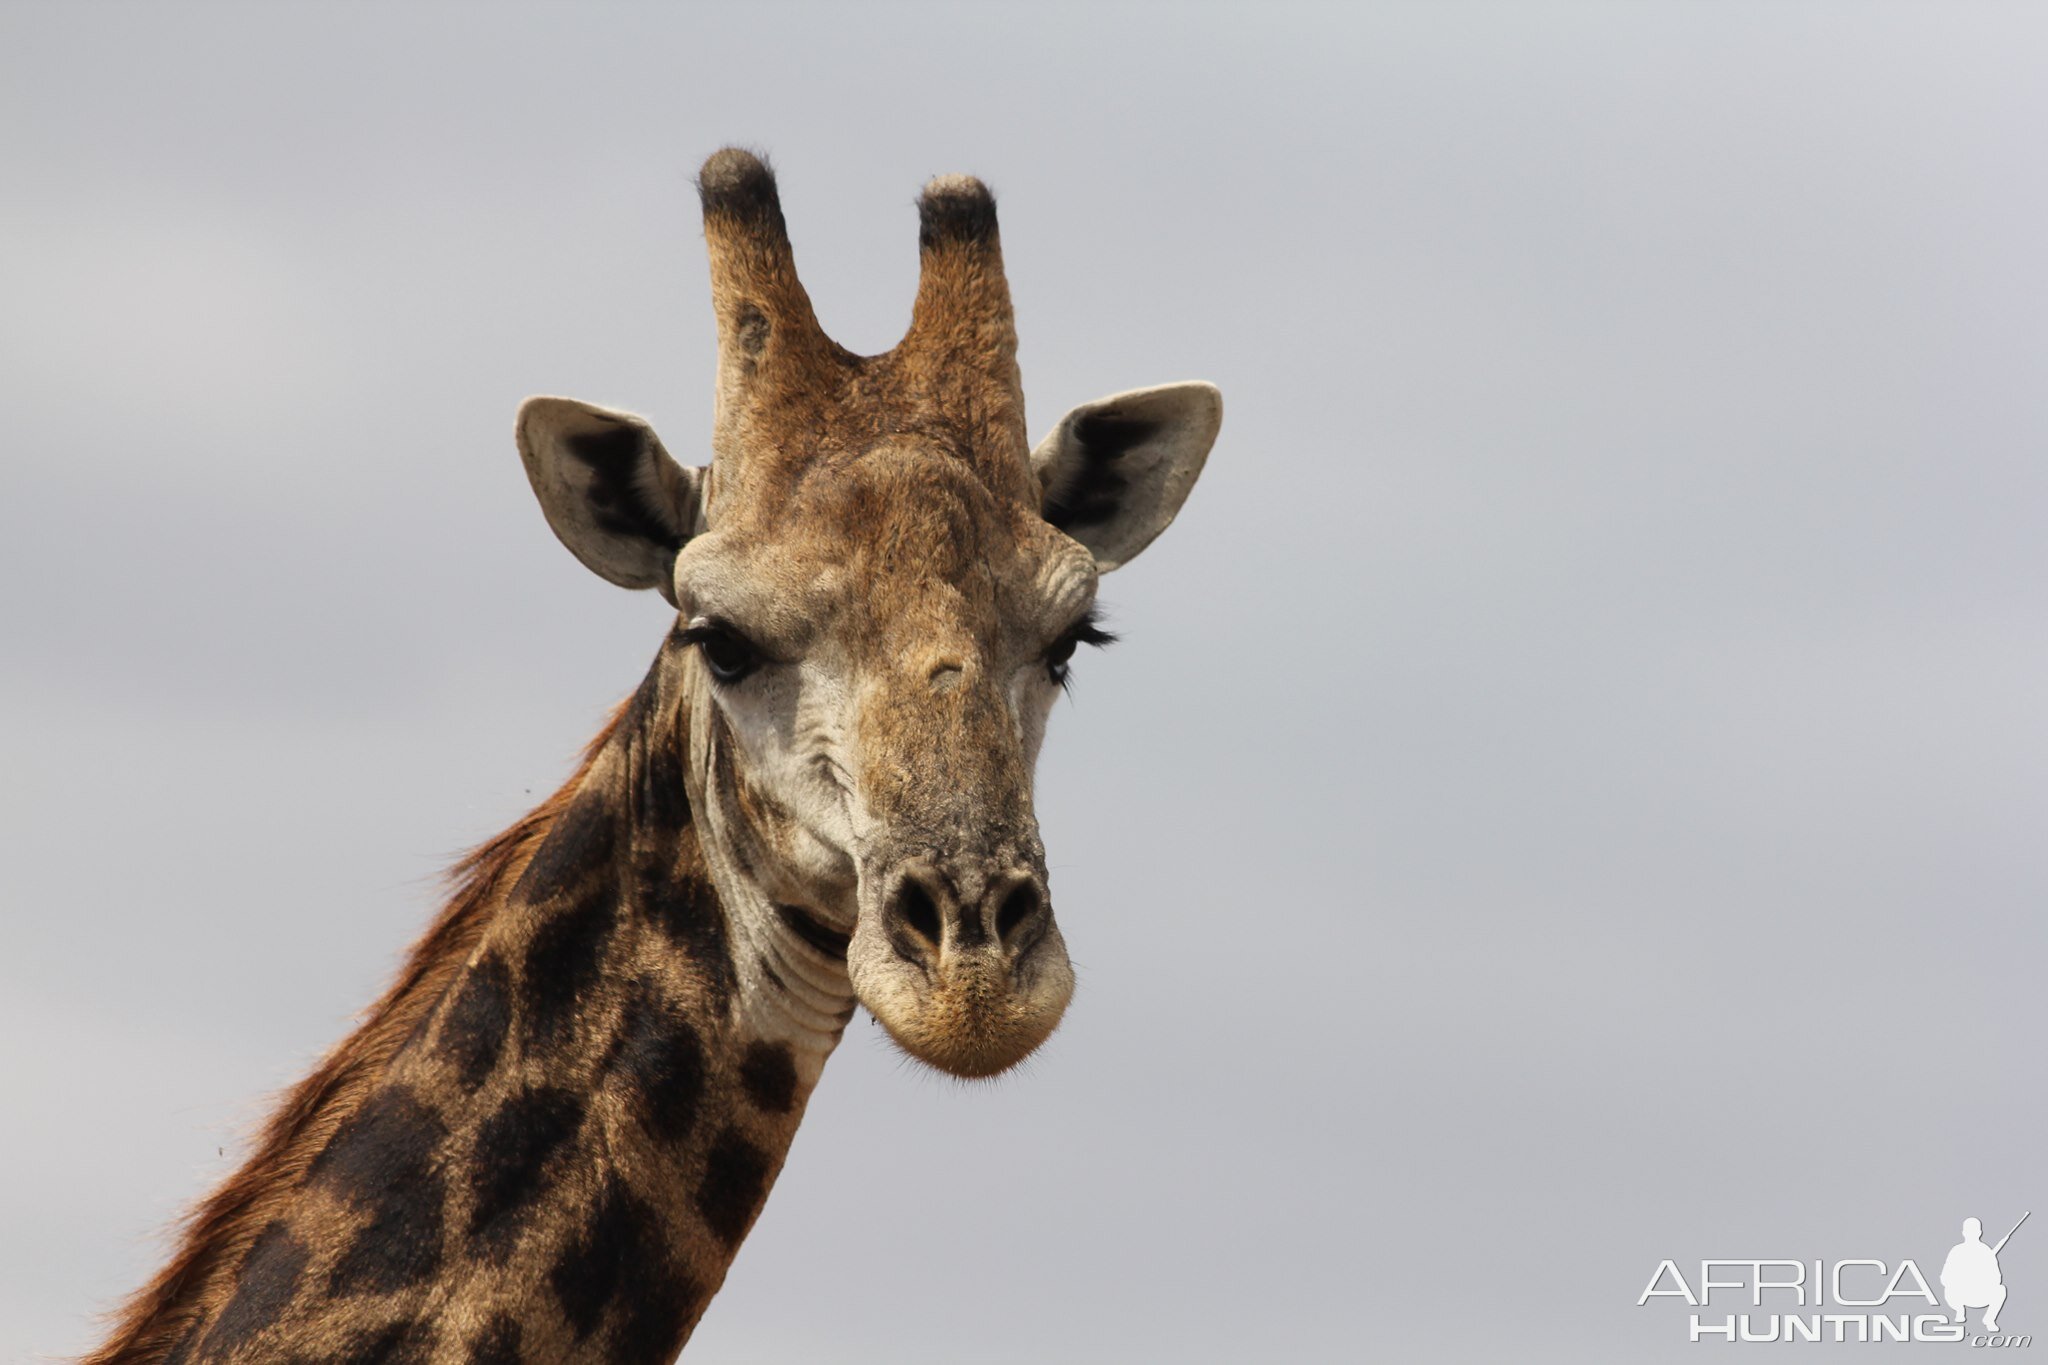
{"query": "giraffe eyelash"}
(1059, 655)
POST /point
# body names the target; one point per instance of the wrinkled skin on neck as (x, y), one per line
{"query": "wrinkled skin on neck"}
(874, 766)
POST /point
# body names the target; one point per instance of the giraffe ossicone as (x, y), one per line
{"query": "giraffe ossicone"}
(548, 1138)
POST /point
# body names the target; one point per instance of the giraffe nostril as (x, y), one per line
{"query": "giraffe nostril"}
(915, 907)
(1017, 908)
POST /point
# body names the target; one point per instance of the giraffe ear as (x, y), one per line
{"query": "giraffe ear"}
(1114, 472)
(612, 494)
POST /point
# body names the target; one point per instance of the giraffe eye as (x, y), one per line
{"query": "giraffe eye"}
(1059, 655)
(728, 654)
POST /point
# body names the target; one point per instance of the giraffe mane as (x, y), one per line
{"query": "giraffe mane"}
(215, 1235)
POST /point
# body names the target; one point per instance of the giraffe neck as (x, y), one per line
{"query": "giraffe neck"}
(573, 1122)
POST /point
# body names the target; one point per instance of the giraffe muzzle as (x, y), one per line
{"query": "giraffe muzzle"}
(963, 965)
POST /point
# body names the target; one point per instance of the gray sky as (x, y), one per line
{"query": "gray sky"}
(1572, 790)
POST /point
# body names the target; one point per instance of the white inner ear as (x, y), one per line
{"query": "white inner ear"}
(610, 492)
(1114, 472)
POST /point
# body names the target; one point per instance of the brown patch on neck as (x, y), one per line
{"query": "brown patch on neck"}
(218, 1233)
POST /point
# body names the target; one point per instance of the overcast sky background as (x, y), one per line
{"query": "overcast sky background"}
(1572, 790)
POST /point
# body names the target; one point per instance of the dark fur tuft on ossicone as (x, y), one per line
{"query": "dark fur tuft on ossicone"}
(955, 208)
(735, 183)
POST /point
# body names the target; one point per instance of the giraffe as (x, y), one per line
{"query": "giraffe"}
(547, 1139)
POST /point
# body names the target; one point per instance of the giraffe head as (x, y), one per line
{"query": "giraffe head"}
(879, 584)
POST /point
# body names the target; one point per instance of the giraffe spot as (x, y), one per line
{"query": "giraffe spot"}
(264, 1286)
(498, 1343)
(664, 800)
(581, 839)
(509, 1167)
(650, 1332)
(661, 802)
(562, 963)
(389, 1143)
(752, 330)
(768, 1074)
(735, 1182)
(661, 1057)
(680, 901)
(384, 1160)
(622, 1255)
(399, 1246)
(473, 1034)
(400, 1343)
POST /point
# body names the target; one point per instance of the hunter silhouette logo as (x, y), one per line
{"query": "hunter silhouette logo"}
(1886, 1301)
(1970, 1278)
